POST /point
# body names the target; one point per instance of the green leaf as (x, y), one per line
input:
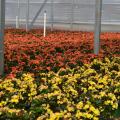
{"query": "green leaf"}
(117, 113)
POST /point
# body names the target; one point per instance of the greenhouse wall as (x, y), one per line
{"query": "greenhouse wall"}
(65, 14)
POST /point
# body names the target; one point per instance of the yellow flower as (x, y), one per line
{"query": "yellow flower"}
(115, 106)
(15, 99)
(59, 97)
(103, 80)
(56, 92)
(91, 88)
(112, 96)
(55, 116)
(10, 111)
(86, 106)
(79, 105)
(68, 115)
(2, 103)
(42, 87)
(10, 89)
(97, 112)
(107, 102)
(89, 116)
(95, 118)
(100, 86)
(102, 94)
(34, 92)
(84, 90)
(70, 109)
(92, 108)
(78, 114)
(92, 83)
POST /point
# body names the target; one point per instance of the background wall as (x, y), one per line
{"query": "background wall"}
(79, 13)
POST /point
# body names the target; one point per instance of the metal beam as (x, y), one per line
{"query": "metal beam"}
(52, 15)
(27, 15)
(37, 14)
(18, 13)
(98, 14)
(72, 14)
(2, 26)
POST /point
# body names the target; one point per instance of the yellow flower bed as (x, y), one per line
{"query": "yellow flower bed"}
(88, 92)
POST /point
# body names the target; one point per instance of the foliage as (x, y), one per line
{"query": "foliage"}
(86, 92)
(31, 52)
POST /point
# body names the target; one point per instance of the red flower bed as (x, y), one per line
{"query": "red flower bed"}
(31, 52)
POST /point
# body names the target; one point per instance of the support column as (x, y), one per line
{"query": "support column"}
(2, 26)
(98, 14)
(27, 15)
(72, 14)
(52, 15)
(18, 13)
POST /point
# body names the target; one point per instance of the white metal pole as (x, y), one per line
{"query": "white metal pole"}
(72, 14)
(52, 15)
(17, 22)
(98, 14)
(27, 15)
(2, 26)
(45, 19)
(18, 19)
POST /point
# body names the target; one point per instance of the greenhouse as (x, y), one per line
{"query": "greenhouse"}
(59, 59)
(63, 13)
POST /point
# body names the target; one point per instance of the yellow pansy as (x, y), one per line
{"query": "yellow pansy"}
(79, 105)
(96, 112)
(95, 118)
(2, 103)
(79, 114)
(15, 99)
(102, 94)
(86, 106)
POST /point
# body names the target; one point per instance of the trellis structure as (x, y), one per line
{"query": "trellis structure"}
(97, 31)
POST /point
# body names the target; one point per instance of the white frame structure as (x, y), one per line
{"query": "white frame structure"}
(2, 26)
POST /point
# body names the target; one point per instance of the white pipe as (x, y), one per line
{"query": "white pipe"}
(17, 22)
(45, 20)
(18, 13)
